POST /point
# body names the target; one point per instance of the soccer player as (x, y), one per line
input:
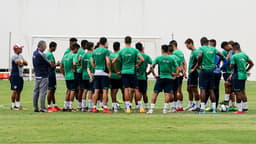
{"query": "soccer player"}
(206, 62)
(192, 83)
(142, 75)
(71, 42)
(68, 69)
(241, 63)
(164, 79)
(16, 78)
(86, 82)
(52, 78)
(128, 57)
(182, 74)
(101, 62)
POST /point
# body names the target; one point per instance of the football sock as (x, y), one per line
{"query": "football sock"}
(239, 105)
(146, 105)
(13, 105)
(152, 106)
(165, 106)
(202, 105)
(17, 104)
(127, 104)
(197, 104)
(171, 105)
(227, 97)
(245, 105)
(83, 103)
(233, 104)
(214, 105)
(79, 105)
(90, 103)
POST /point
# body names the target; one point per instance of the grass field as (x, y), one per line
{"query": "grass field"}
(77, 127)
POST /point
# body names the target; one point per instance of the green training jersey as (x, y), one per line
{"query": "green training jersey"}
(165, 65)
(228, 68)
(192, 59)
(78, 57)
(240, 61)
(86, 58)
(114, 75)
(180, 55)
(99, 55)
(128, 57)
(67, 62)
(49, 55)
(142, 71)
(68, 50)
(208, 59)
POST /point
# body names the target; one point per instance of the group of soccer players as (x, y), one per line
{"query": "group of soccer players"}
(90, 71)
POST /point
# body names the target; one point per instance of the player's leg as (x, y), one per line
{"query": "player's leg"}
(157, 89)
(180, 94)
(49, 100)
(113, 97)
(197, 98)
(84, 95)
(190, 97)
(237, 88)
(166, 102)
(95, 99)
(217, 78)
(105, 82)
(245, 102)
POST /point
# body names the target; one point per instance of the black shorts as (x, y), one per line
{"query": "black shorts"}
(17, 83)
(52, 82)
(72, 85)
(163, 84)
(143, 86)
(238, 85)
(116, 84)
(206, 79)
(175, 84)
(78, 78)
(101, 82)
(86, 84)
(180, 80)
(129, 81)
(193, 79)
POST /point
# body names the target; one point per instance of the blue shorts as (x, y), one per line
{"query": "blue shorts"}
(206, 79)
(130, 81)
(143, 86)
(193, 79)
(180, 79)
(116, 84)
(71, 85)
(17, 83)
(86, 84)
(225, 77)
(175, 84)
(238, 85)
(101, 82)
(78, 78)
(52, 81)
(163, 84)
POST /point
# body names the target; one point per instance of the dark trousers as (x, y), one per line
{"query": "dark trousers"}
(216, 90)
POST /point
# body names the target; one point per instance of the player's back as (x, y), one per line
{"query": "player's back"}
(128, 56)
(99, 56)
(208, 60)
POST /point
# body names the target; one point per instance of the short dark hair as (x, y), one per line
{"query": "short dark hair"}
(89, 45)
(72, 39)
(103, 40)
(83, 43)
(75, 46)
(213, 41)
(116, 46)
(224, 44)
(173, 43)
(52, 44)
(139, 46)
(170, 48)
(236, 46)
(165, 48)
(204, 41)
(231, 42)
(97, 45)
(128, 40)
(189, 41)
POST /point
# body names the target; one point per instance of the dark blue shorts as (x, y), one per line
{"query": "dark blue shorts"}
(52, 81)
(180, 80)
(238, 85)
(116, 84)
(78, 78)
(86, 84)
(163, 84)
(101, 82)
(17, 83)
(206, 79)
(175, 84)
(71, 85)
(193, 79)
(143, 86)
(130, 81)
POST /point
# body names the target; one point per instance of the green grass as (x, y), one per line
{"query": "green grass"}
(181, 128)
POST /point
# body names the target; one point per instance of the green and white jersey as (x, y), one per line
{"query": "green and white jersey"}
(192, 59)
(99, 55)
(228, 68)
(128, 57)
(49, 55)
(180, 55)
(118, 66)
(240, 61)
(67, 62)
(142, 71)
(78, 56)
(208, 59)
(86, 59)
(166, 64)
(68, 50)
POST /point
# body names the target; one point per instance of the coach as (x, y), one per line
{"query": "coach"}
(41, 65)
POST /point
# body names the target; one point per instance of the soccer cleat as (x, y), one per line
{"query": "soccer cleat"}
(238, 112)
(202, 111)
(150, 111)
(15, 108)
(233, 108)
(172, 110)
(141, 110)
(43, 110)
(245, 110)
(180, 109)
(57, 108)
(50, 109)
(214, 111)
(128, 111)
(100, 108)
(105, 110)
(94, 110)
(119, 101)
(165, 111)
(84, 110)
(208, 109)
(196, 110)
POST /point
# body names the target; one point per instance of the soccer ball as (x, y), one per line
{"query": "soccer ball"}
(223, 108)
